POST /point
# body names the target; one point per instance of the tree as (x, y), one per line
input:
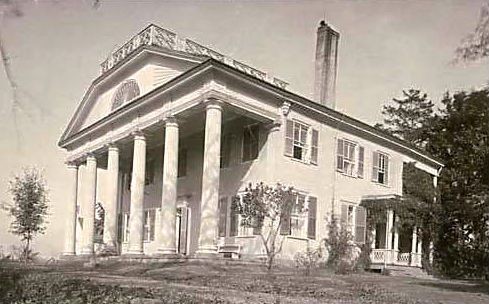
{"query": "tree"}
(29, 207)
(409, 117)
(265, 209)
(475, 46)
(461, 139)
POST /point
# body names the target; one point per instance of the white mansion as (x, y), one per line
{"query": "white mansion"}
(171, 130)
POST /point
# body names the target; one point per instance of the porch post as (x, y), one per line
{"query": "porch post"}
(110, 220)
(89, 205)
(70, 235)
(396, 239)
(388, 235)
(414, 241)
(167, 233)
(136, 215)
(210, 179)
(374, 237)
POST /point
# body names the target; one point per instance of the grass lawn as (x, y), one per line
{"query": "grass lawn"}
(197, 282)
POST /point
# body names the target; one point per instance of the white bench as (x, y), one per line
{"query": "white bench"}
(229, 250)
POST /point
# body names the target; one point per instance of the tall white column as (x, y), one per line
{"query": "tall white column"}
(89, 205)
(414, 240)
(70, 232)
(167, 233)
(110, 220)
(373, 236)
(388, 229)
(136, 215)
(210, 179)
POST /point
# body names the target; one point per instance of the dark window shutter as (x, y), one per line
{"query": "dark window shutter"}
(257, 226)
(375, 169)
(289, 138)
(285, 223)
(223, 208)
(314, 146)
(311, 221)
(152, 218)
(361, 160)
(360, 224)
(233, 226)
(339, 155)
(386, 167)
(344, 215)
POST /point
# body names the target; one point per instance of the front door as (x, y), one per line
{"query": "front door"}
(182, 230)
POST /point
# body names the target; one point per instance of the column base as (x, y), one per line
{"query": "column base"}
(167, 251)
(209, 251)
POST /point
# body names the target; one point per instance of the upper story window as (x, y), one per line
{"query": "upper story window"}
(301, 142)
(251, 137)
(350, 158)
(380, 172)
(127, 91)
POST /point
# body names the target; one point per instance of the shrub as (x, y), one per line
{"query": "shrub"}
(343, 254)
(309, 259)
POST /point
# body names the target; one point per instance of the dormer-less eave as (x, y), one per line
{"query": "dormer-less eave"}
(339, 119)
(116, 69)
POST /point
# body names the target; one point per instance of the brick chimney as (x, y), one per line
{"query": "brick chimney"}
(326, 63)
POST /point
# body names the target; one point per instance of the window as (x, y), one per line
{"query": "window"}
(251, 136)
(127, 91)
(223, 212)
(229, 219)
(349, 158)
(354, 219)
(380, 172)
(149, 225)
(300, 223)
(301, 142)
(182, 163)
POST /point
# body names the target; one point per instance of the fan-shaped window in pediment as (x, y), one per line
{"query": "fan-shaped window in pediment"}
(127, 91)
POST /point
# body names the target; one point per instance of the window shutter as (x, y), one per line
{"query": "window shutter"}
(375, 169)
(311, 221)
(344, 215)
(285, 223)
(289, 138)
(234, 220)
(314, 146)
(361, 158)
(360, 225)
(386, 167)
(120, 226)
(225, 151)
(339, 155)
(223, 208)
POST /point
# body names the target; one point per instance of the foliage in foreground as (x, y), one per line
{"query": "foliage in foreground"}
(24, 285)
(266, 209)
(28, 208)
(343, 253)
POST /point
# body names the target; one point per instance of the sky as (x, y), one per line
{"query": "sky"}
(56, 47)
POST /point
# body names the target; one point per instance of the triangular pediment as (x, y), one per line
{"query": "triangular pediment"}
(137, 77)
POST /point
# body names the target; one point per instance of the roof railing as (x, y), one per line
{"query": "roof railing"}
(154, 35)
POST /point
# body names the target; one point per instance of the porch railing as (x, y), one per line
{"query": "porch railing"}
(393, 257)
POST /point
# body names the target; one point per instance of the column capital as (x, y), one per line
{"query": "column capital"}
(213, 103)
(273, 126)
(111, 146)
(90, 157)
(138, 135)
(71, 165)
(171, 121)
